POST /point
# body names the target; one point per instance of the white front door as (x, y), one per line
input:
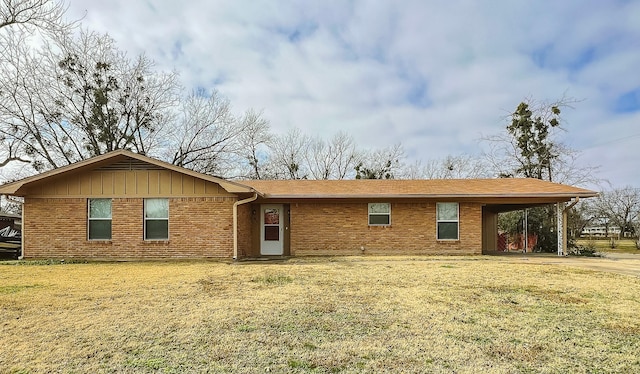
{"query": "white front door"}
(271, 243)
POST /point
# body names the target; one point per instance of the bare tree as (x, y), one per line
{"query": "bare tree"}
(567, 170)
(621, 207)
(46, 15)
(204, 138)
(254, 140)
(530, 147)
(24, 91)
(81, 97)
(332, 159)
(348, 156)
(10, 151)
(450, 167)
(287, 160)
(19, 21)
(116, 102)
(64, 98)
(385, 163)
(319, 159)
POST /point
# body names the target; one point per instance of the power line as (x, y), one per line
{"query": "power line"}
(612, 141)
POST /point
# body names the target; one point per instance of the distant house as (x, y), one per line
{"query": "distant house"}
(123, 205)
(603, 232)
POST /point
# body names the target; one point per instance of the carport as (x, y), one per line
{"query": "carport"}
(562, 201)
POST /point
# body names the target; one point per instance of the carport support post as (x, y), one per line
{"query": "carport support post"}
(561, 219)
(565, 214)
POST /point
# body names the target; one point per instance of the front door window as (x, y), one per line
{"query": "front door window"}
(272, 224)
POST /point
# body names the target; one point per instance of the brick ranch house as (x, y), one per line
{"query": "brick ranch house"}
(123, 205)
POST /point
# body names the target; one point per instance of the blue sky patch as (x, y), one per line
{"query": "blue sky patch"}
(628, 102)
(297, 33)
(176, 50)
(546, 58)
(540, 56)
(582, 59)
(418, 94)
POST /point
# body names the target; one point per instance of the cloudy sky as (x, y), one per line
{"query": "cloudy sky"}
(434, 75)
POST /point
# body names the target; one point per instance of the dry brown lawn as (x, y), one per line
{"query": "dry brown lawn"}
(332, 315)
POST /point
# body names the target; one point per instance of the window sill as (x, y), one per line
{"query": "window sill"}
(100, 241)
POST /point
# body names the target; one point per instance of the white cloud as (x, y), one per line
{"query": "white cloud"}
(432, 75)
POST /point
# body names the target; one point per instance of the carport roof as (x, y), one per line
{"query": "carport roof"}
(431, 188)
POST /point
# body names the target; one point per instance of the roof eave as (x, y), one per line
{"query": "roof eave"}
(428, 196)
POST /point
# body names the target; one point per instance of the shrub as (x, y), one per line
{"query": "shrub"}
(587, 250)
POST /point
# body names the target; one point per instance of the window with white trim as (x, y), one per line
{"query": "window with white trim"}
(99, 219)
(447, 217)
(379, 214)
(156, 219)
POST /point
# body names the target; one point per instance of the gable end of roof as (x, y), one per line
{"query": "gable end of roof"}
(122, 160)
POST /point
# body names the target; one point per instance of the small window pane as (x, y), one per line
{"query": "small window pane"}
(447, 212)
(156, 208)
(272, 233)
(99, 208)
(448, 230)
(157, 229)
(271, 217)
(382, 219)
(100, 229)
(379, 208)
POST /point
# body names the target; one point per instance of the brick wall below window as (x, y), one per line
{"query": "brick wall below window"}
(199, 227)
(342, 229)
(202, 227)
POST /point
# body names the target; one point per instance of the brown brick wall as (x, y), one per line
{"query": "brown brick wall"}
(244, 230)
(342, 228)
(202, 227)
(199, 227)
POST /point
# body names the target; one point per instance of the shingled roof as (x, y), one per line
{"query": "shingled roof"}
(340, 189)
(431, 188)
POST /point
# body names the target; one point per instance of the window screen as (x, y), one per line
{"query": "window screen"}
(447, 221)
(99, 219)
(156, 219)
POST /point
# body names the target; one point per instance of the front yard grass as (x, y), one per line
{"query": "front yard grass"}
(604, 245)
(333, 315)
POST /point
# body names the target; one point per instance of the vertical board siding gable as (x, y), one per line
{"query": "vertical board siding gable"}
(138, 183)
